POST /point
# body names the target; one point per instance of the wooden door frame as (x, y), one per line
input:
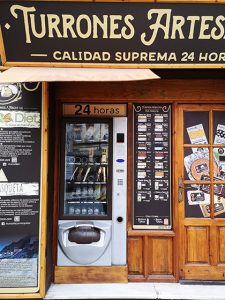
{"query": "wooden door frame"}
(214, 225)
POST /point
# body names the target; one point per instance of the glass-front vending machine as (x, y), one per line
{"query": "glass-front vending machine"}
(92, 210)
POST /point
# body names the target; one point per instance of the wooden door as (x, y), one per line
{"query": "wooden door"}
(200, 191)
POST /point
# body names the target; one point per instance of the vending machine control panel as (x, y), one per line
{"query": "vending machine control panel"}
(119, 196)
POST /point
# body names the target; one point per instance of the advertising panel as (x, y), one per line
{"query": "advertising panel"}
(152, 171)
(20, 169)
(143, 34)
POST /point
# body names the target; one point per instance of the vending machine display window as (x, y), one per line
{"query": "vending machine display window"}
(86, 169)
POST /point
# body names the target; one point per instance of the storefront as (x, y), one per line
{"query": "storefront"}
(110, 172)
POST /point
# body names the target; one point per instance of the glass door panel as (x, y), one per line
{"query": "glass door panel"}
(196, 127)
(219, 127)
(196, 164)
(219, 200)
(86, 186)
(197, 200)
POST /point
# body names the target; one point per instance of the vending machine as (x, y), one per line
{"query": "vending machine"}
(92, 210)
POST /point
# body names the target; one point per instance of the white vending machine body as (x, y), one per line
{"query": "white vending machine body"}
(100, 242)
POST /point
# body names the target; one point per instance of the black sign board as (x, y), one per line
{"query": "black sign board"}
(116, 34)
(152, 171)
(20, 169)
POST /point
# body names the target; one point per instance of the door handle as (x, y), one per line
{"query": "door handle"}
(180, 189)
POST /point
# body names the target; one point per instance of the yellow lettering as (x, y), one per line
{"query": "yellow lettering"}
(26, 11)
(155, 27)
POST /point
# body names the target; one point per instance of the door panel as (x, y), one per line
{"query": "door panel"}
(197, 244)
(221, 245)
(200, 172)
(161, 259)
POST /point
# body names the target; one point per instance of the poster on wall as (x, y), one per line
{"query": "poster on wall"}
(152, 171)
(198, 166)
(20, 169)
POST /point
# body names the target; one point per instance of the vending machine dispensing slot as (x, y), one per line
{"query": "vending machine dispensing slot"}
(84, 243)
(84, 234)
(92, 223)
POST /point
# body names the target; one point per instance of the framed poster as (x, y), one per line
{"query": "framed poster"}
(152, 166)
(20, 186)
